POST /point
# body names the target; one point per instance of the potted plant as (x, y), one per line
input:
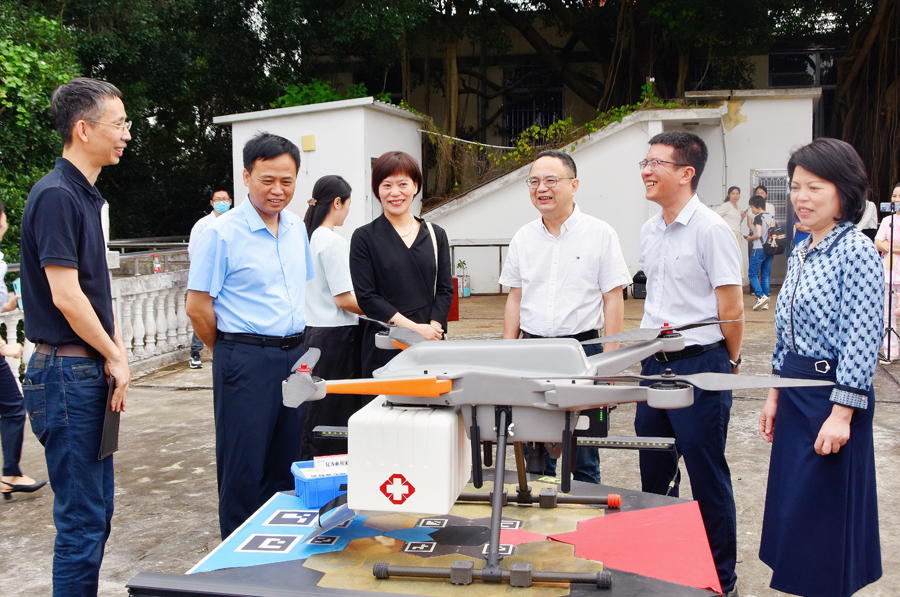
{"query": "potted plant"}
(463, 275)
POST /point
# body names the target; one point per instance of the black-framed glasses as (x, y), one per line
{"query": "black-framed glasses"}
(654, 163)
(549, 182)
(126, 126)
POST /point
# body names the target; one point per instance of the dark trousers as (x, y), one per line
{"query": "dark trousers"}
(257, 438)
(12, 421)
(700, 432)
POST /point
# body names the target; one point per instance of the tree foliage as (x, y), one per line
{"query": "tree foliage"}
(179, 64)
(36, 56)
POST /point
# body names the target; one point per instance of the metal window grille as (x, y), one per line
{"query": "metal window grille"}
(543, 109)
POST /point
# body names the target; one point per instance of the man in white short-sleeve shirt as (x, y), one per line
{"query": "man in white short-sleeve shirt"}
(693, 274)
(565, 271)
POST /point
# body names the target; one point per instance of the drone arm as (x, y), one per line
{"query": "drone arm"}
(431, 387)
(611, 363)
(581, 397)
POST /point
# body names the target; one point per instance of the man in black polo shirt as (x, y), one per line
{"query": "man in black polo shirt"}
(69, 316)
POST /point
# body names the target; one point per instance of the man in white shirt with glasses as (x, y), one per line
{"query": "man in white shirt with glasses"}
(565, 271)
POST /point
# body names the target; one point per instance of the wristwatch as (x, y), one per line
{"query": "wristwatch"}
(734, 364)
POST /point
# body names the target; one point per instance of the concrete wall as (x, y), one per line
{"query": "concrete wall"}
(348, 135)
(747, 130)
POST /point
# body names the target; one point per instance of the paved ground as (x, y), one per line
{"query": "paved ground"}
(166, 502)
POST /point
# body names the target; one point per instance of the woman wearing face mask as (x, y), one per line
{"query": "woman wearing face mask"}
(332, 324)
(400, 264)
(12, 405)
(891, 259)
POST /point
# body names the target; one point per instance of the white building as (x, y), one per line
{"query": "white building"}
(749, 134)
(343, 138)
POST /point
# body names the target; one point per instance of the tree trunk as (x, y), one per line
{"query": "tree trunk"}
(404, 66)
(578, 85)
(684, 62)
(451, 89)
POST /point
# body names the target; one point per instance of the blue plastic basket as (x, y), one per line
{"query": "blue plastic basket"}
(315, 493)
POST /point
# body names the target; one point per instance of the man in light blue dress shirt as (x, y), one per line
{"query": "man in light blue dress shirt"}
(246, 300)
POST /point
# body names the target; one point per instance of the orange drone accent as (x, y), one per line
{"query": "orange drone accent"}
(399, 345)
(430, 387)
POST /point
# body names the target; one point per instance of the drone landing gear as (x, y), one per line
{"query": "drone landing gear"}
(520, 574)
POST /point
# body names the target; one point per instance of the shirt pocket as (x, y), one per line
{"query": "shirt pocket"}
(581, 272)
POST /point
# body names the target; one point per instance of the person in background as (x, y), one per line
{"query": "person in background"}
(565, 271)
(820, 530)
(891, 259)
(332, 324)
(869, 222)
(760, 263)
(732, 214)
(220, 202)
(801, 232)
(247, 302)
(693, 274)
(399, 264)
(12, 405)
(70, 318)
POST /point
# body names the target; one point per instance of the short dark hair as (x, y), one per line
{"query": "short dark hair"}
(838, 163)
(562, 156)
(393, 163)
(216, 189)
(324, 192)
(266, 146)
(79, 99)
(689, 149)
(758, 201)
(761, 188)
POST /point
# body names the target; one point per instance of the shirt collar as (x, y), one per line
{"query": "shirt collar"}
(569, 224)
(69, 169)
(684, 216)
(256, 222)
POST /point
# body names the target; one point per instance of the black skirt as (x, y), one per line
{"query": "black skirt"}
(820, 527)
(340, 359)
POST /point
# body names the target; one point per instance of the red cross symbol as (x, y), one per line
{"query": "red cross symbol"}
(397, 489)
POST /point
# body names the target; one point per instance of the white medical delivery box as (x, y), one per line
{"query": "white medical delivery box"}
(406, 458)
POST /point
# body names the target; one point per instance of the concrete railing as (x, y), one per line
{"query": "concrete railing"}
(150, 315)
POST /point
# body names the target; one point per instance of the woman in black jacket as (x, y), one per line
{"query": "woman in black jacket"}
(400, 265)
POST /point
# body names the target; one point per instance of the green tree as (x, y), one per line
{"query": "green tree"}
(36, 55)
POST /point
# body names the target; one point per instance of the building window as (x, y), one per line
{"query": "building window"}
(810, 68)
(539, 99)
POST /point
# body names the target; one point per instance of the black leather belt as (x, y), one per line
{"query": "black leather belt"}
(282, 342)
(588, 335)
(69, 350)
(689, 351)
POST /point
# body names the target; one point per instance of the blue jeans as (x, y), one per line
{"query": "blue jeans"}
(66, 400)
(760, 268)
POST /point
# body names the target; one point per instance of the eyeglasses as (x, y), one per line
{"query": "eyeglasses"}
(126, 126)
(654, 163)
(549, 182)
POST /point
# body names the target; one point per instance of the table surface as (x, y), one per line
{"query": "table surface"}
(342, 563)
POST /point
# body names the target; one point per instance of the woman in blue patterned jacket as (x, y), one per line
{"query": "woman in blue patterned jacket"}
(820, 528)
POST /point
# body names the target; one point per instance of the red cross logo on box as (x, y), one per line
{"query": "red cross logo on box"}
(397, 489)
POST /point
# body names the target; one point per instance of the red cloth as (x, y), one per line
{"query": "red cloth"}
(517, 536)
(667, 543)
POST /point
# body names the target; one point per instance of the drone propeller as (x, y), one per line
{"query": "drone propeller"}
(642, 334)
(404, 336)
(713, 382)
